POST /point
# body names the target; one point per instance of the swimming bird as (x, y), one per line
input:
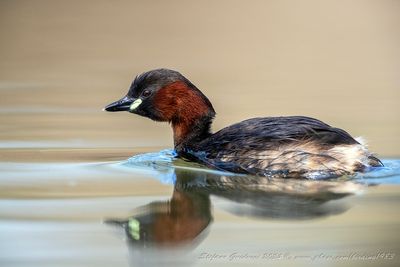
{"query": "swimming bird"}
(284, 147)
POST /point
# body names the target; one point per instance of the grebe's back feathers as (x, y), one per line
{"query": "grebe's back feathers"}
(272, 131)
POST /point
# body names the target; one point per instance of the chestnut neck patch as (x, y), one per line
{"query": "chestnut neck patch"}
(189, 111)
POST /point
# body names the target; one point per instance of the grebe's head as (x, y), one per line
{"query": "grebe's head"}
(164, 95)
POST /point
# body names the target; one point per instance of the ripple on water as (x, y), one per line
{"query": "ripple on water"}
(164, 162)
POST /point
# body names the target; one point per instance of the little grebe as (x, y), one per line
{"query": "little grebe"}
(293, 146)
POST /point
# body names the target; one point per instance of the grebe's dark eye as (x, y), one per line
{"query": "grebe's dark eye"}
(146, 93)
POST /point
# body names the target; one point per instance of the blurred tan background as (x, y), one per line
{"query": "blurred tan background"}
(62, 61)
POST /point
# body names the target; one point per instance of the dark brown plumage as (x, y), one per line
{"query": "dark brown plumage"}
(294, 146)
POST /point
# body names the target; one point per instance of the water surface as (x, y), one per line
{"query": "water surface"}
(154, 210)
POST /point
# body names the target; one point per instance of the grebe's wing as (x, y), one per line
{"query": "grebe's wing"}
(281, 146)
(272, 131)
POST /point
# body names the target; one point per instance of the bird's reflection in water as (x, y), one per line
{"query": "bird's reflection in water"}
(175, 222)
(164, 232)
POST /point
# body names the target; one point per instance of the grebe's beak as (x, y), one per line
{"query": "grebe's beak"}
(124, 104)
